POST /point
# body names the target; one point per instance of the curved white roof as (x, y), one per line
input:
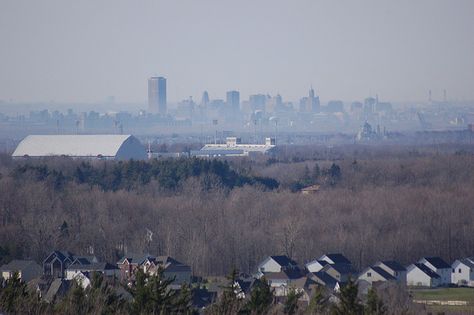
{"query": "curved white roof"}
(108, 146)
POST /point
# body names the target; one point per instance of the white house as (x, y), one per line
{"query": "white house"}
(375, 274)
(276, 264)
(463, 272)
(438, 265)
(394, 269)
(422, 276)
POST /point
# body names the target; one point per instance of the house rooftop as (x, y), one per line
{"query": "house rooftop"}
(438, 262)
(283, 260)
(383, 273)
(392, 264)
(16, 265)
(337, 258)
(427, 271)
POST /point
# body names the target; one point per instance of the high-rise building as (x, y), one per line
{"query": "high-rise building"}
(233, 100)
(205, 99)
(310, 103)
(157, 95)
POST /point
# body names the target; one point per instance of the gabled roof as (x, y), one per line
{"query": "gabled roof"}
(468, 262)
(325, 279)
(437, 262)
(392, 264)
(135, 258)
(284, 261)
(283, 275)
(430, 273)
(343, 269)
(321, 262)
(337, 258)
(383, 273)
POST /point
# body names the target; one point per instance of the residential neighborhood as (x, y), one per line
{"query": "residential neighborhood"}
(332, 271)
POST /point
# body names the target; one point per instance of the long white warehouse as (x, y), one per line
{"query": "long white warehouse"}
(116, 147)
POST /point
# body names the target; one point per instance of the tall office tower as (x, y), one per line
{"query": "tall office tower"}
(233, 100)
(157, 95)
(313, 102)
(205, 99)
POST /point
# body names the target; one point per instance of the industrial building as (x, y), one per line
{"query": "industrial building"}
(113, 147)
(235, 147)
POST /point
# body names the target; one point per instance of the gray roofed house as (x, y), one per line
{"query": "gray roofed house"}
(438, 265)
(57, 262)
(420, 275)
(375, 274)
(463, 272)
(26, 269)
(104, 268)
(340, 272)
(323, 279)
(276, 264)
(394, 269)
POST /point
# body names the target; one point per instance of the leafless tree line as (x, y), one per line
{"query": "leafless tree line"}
(398, 208)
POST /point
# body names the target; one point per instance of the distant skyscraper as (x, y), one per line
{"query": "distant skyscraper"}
(310, 103)
(233, 100)
(157, 95)
(205, 99)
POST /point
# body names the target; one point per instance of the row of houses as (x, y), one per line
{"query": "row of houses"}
(60, 268)
(333, 270)
(282, 273)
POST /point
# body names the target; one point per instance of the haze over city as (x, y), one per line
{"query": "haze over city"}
(219, 157)
(86, 51)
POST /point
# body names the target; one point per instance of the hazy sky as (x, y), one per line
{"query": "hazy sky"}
(89, 49)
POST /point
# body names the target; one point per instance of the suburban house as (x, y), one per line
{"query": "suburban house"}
(171, 268)
(394, 269)
(57, 262)
(335, 259)
(280, 281)
(323, 279)
(375, 274)
(276, 264)
(316, 265)
(26, 269)
(106, 269)
(463, 272)
(438, 265)
(422, 276)
(340, 272)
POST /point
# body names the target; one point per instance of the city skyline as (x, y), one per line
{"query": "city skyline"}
(345, 51)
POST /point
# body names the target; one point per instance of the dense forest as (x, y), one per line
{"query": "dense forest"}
(374, 203)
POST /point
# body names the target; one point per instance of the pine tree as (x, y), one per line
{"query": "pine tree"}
(349, 303)
(12, 294)
(261, 297)
(374, 305)
(291, 304)
(318, 302)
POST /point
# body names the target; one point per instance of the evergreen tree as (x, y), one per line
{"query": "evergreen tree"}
(140, 293)
(261, 297)
(316, 172)
(12, 294)
(318, 302)
(291, 304)
(374, 305)
(229, 303)
(349, 303)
